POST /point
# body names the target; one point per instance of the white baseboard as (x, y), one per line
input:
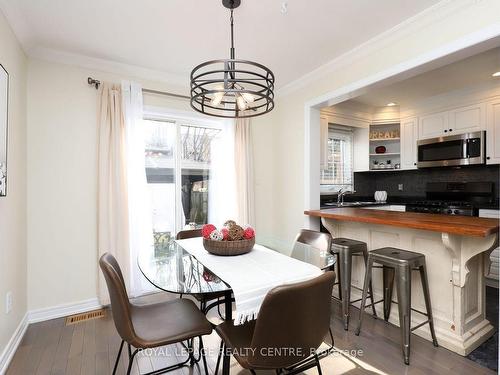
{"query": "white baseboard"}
(13, 344)
(60, 311)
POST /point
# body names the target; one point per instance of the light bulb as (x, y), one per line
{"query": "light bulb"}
(217, 99)
(218, 96)
(242, 105)
(249, 98)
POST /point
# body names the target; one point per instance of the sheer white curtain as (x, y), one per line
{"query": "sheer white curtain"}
(222, 203)
(139, 203)
(243, 157)
(124, 215)
(231, 184)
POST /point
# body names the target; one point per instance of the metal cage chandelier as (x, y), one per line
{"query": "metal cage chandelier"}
(232, 88)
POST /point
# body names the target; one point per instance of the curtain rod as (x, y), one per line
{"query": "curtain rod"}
(96, 83)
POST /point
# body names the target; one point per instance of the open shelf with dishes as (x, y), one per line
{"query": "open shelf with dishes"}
(385, 146)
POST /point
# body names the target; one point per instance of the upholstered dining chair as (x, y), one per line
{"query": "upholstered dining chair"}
(203, 299)
(151, 326)
(318, 240)
(292, 323)
(188, 233)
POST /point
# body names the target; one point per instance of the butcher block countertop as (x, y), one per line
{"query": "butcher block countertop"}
(463, 225)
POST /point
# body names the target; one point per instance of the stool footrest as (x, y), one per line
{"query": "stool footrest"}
(359, 299)
(420, 325)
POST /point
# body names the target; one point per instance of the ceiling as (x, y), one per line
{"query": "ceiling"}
(173, 36)
(471, 72)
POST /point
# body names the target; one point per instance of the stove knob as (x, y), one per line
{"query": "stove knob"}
(450, 212)
(456, 212)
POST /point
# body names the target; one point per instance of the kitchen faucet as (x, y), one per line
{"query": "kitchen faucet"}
(340, 196)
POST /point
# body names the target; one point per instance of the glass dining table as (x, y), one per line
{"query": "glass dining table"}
(173, 269)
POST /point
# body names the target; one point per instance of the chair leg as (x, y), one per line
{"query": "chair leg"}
(118, 357)
(339, 277)
(131, 361)
(345, 265)
(221, 349)
(368, 277)
(427, 298)
(388, 286)
(252, 371)
(202, 354)
(403, 287)
(331, 336)
(365, 256)
(318, 365)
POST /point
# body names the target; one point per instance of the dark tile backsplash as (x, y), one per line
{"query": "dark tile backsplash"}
(414, 181)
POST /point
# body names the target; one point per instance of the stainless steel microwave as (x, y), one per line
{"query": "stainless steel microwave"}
(461, 149)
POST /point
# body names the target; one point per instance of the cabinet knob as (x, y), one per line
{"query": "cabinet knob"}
(487, 158)
(446, 131)
(451, 130)
(414, 163)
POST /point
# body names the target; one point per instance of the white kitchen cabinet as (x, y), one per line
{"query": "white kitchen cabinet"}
(467, 119)
(433, 125)
(493, 273)
(409, 135)
(361, 149)
(493, 132)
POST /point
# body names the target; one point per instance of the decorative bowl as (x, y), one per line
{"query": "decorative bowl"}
(380, 150)
(228, 248)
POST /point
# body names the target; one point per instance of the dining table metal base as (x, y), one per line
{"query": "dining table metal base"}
(228, 303)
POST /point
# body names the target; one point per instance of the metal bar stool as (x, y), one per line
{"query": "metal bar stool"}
(345, 249)
(402, 262)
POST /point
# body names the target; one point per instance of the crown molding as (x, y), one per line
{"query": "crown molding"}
(109, 66)
(430, 15)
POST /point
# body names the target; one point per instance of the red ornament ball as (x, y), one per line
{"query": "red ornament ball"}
(248, 233)
(225, 234)
(207, 229)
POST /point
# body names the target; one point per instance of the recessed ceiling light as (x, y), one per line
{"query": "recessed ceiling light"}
(496, 74)
(391, 104)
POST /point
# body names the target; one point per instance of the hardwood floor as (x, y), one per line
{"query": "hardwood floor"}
(90, 348)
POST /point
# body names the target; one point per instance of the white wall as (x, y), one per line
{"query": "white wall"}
(285, 157)
(13, 206)
(62, 185)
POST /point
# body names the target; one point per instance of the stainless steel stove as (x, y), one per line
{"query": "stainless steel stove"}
(442, 207)
(454, 198)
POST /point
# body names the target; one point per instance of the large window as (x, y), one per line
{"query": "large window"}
(178, 163)
(338, 172)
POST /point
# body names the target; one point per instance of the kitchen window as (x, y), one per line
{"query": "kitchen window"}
(338, 172)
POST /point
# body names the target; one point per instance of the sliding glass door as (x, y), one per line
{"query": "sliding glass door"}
(178, 167)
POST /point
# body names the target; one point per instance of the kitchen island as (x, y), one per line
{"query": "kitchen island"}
(457, 250)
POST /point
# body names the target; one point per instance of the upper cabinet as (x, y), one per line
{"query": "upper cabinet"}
(493, 132)
(467, 119)
(456, 121)
(409, 135)
(433, 125)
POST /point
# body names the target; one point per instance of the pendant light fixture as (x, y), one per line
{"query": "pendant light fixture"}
(232, 88)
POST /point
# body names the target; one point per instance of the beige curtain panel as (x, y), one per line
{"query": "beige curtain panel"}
(112, 183)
